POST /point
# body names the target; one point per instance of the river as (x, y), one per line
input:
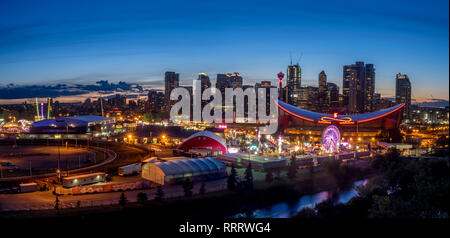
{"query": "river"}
(287, 210)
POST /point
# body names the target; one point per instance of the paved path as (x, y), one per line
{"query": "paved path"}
(46, 200)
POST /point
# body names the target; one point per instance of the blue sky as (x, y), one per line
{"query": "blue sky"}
(137, 41)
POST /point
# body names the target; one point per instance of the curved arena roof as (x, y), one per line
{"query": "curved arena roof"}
(342, 119)
(70, 121)
(185, 166)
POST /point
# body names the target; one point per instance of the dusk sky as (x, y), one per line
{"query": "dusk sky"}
(137, 41)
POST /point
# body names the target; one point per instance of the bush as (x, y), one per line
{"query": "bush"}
(159, 193)
(123, 200)
(187, 187)
(142, 197)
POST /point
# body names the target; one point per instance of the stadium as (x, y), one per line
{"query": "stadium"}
(80, 125)
(364, 128)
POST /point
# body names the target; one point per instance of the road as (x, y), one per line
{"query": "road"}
(46, 200)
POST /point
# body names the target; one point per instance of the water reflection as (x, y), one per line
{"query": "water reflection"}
(287, 210)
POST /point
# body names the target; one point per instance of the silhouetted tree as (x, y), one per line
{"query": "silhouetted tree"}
(202, 189)
(332, 166)
(269, 177)
(159, 193)
(57, 203)
(142, 197)
(307, 212)
(249, 177)
(232, 179)
(187, 187)
(292, 170)
(123, 200)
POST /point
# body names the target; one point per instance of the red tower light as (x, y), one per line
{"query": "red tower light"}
(280, 76)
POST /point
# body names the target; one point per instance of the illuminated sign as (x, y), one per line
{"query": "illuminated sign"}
(223, 126)
(343, 120)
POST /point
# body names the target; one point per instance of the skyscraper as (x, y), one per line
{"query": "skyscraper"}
(369, 88)
(293, 83)
(333, 95)
(171, 81)
(308, 99)
(222, 83)
(323, 105)
(403, 93)
(155, 101)
(358, 87)
(205, 82)
(235, 80)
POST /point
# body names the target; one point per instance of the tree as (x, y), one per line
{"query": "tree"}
(187, 187)
(57, 203)
(392, 154)
(123, 200)
(202, 189)
(249, 177)
(307, 212)
(142, 197)
(292, 170)
(332, 166)
(232, 179)
(159, 193)
(269, 177)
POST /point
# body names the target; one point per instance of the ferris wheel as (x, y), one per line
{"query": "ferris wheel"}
(331, 138)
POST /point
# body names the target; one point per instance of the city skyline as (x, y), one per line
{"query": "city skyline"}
(136, 43)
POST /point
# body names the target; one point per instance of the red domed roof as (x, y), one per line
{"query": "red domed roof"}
(204, 140)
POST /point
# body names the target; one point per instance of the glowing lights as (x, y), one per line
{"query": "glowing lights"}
(343, 120)
(331, 138)
(347, 120)
(223, 126)
(385, 114)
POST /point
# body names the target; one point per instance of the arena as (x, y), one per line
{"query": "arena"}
(363, 129)
(72, 127)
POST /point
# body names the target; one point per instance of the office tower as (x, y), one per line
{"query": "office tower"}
(376, 101)
(267, 86)
(308, 99)
(323, 104)
(235, 80)
(222, 83)
(333, 95)
(205, 82)
(155, 101)
(403, 93)
(369, 88)
(171, 81)
(293, 78)
(358, 87)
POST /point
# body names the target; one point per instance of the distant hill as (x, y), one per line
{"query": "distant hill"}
(434, 103)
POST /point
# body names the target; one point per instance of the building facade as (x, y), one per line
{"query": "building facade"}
(403, 93)
(323, 102)
(358, 87)
(293, 83)
(171, 81)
